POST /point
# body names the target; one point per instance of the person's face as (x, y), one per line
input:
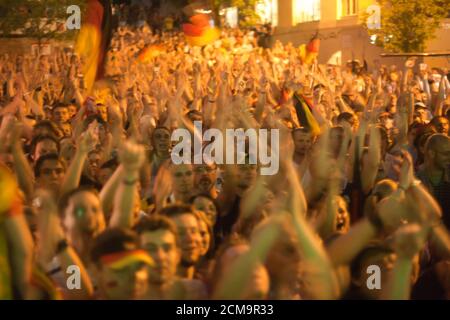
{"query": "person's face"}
(61, 115)
(161, 140)
(207, 207)
(246, 175)
(204, 177)
(51, 175)
(183, 180)
(104, 174)
(93, 163)
(66, 129)
(442, 156)
(189, 238)
(44, 147)
(342, 221)
(442, 126)
(205, 237)
(121, 284)
(284, 253)
(302, 142)
(72, 110)
(162, 247)
(83, 219)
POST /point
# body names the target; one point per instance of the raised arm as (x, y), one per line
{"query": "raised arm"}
(132, 157)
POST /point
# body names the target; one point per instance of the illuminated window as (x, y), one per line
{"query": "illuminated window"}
(305, 10)
(346, 8)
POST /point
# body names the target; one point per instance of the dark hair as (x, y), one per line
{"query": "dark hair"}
(160, 127)
(110, 164)
(64, 200)
(47, 157)
(41, 138)
(176, 210)
(302, 130)
(344, 116)
(92, 118)
(435, 140)
(60, 105)
(112, 240)
(433, 121)
(47, 124)
(155, 223)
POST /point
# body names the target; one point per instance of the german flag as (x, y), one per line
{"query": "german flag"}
(309, 52)
(198, 31)
(303, 108)
(93, 39)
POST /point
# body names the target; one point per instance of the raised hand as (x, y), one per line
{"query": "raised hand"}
(409, 240)
(132, 156)
(89, 139)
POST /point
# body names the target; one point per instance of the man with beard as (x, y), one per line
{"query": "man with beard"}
(205, 177)
(158, 237)
(188, 237)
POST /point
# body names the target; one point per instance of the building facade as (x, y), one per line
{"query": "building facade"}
(342, 35)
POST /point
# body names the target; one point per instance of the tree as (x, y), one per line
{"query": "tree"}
(406, 25)
(39, 19)
(246, 10)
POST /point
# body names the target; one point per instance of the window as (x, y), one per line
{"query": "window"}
(305, 10)
(346, 8)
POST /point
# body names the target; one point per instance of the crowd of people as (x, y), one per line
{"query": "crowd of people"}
(93, 207)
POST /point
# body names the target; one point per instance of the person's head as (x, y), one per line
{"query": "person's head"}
(284, 252)
(206, 232)
(336, 138)
(207, 205)
(119, 264)
(437, 151)
(349, 118)
(158, 237)
(189, 237)
(226, 257)
(303, 140)
(161, 140)
(440, 124)
(205, 177)
(93, 163)
(42, 145)
(106, 170)
(46, 128)
(182, 178)
(342, 216)
(72, 110)
(49, 171)
(246, 175)
(60, 113)
(82, 216)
